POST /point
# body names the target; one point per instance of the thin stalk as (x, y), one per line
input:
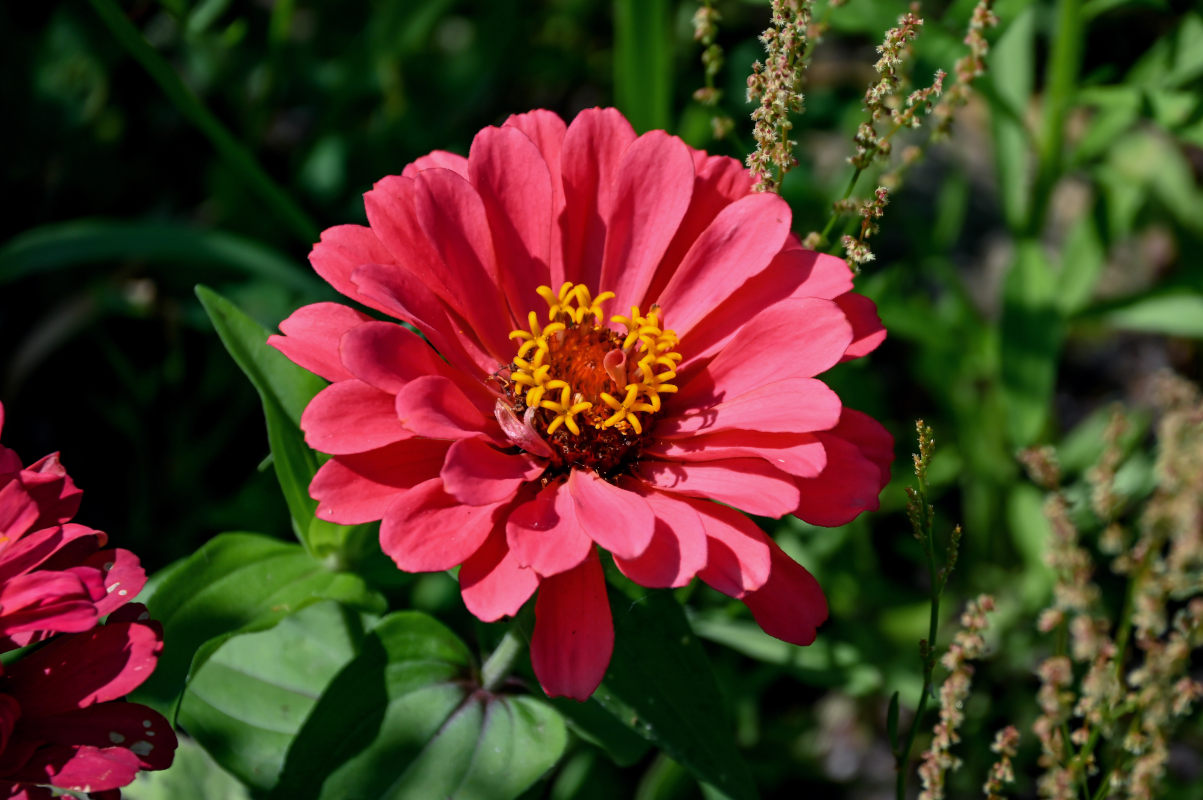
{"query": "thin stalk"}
(234, 153)
(929, 663)
(1062, 75)
(500, 663)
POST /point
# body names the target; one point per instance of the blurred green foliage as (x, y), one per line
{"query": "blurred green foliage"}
(1036, 268)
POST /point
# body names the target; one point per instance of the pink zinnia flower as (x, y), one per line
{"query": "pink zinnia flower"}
(618, 332)
(62, 721)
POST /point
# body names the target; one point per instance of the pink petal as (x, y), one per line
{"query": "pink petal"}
(574, 633)
(124, 577)
(476, 473)
(790, 605)
(867, 330)
(389, 356)
(360, 487)
(678, 547)
(718, 182)
(351, 417)
(792, 339)
(800, 454)
(617, 519)
(404, 295)
(43, 548)
(737, 551)
(311, 335)
(740, 242)
(794, 273)
(390, 206)
(515, 187)
(650, 195)
(746, 483)
(873, 440)
(493, 583)
(795, 405)
(79, 669)
(849, 485)
(545, 534)
(438, 159)
(593, 146)
(428, 530)
(436, 407)
(453, 218)
(77, 767)
(342, 250)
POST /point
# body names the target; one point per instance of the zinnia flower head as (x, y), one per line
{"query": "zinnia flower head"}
(616, 331)
(62, 719)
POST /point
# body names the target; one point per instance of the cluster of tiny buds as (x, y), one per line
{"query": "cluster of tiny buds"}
(968, 68)
(776, 83)
(968, 645)
(882, 93)
(1006, 744)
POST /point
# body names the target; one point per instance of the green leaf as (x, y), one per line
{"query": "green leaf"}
(285, 390)
(236, 582)
(404, 720)
(193, 775)
(1031, 332)
(643, 62)
(246, 704)
(660, 685)
(1082, 261)
(1012, 78)
(160, 245)
(1170, 314)
(594, 724)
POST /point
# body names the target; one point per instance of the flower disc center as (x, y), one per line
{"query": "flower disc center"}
(585, 389)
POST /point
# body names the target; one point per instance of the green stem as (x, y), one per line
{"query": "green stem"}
(500, 663)
(238, 157)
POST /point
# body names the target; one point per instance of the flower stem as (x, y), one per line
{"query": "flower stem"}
(229, 148)
(500, 663)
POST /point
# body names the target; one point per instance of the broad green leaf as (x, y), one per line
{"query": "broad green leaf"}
(594, 724)
(193, 775)
(236, 582)
(246, 704)
(404, 720)
(1082, 261)
(823, 663)
(660, 684)
(1150, 160)
(1012, 78)
(1030, 338)
(643, 67)
(160, 245)
(285, 390)
(1177, 314)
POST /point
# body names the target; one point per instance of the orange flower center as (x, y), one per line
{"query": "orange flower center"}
(587, 390)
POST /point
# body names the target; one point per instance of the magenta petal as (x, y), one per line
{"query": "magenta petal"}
(311, 335)
(741, 241)
(859, 452)
(360, 487)
(18, 510)
(574, 632)
(794, 405)
(678, 547)
(493, 583)
(746, 483)
(867, 330)
(428, 530)
(476, 473)
(124, 577)
(544, 532)
(790, 605)
(47, 601)
(387, 356)
(618, 520)
(351, 417)
(390, 209)
(435, 407)
(593, 147)
(515, 187)
(737, 551)
(79, 669)
(650, 195)
(438, 159)
(141, 732)
(799, 454)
